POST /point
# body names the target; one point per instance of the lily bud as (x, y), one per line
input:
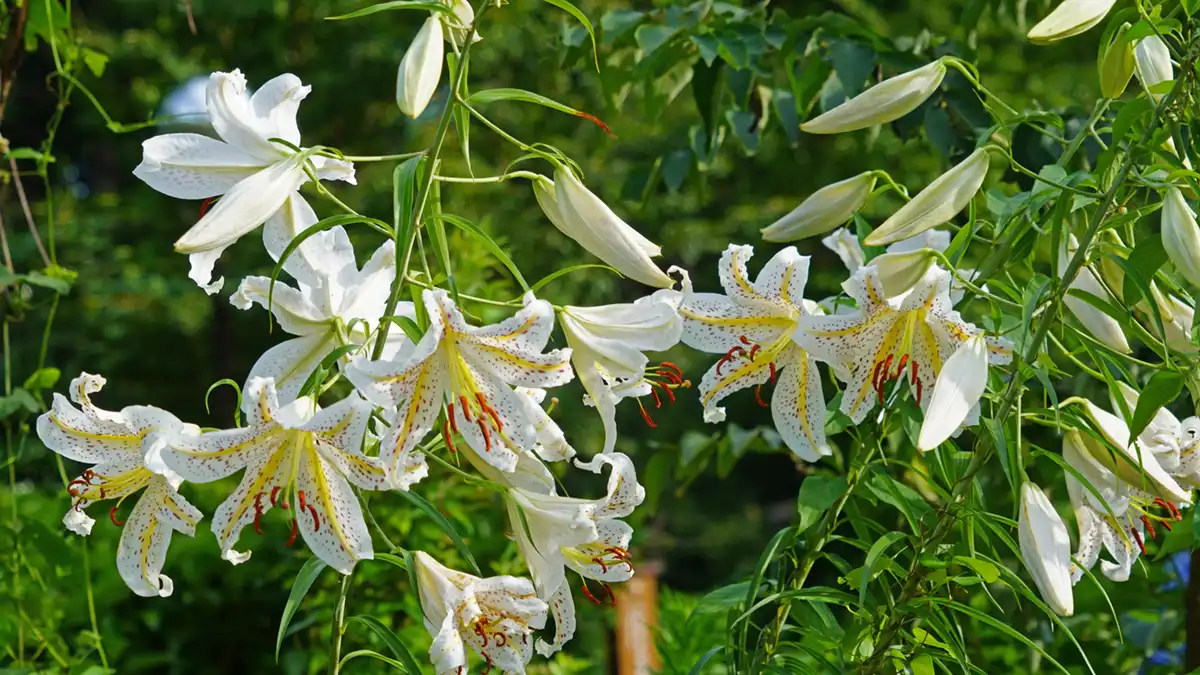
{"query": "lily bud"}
(940, 201)
(1046, 549)
(899, 272)
(958, 389)
(1130, 462)
(824, 210)
(1098, 324)
(1070, 18)
(582, 216)
(420, 69)
(1154, 67)
(885, 102)
(1116, 65)
(464, 16)
(1181, 236)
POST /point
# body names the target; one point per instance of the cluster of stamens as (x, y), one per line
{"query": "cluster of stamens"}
(618, 556)
(481, 417)
(1148, 519)
(883, 372)
(587, 592)
(740, 351)
(665, 376)
(273, 497)
(83, 489)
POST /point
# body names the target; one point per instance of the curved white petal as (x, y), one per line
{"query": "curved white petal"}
(957, 389)
(244, 207)
(191, 166)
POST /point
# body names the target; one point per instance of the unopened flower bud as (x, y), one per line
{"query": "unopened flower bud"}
(1181, 236)
(824, 210)
(940, 201)
(420, 69)
(885, 102)
(1116, 65)
(1070, 18)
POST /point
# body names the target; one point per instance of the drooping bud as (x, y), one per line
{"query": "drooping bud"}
(1046, 549)
(420, 69)
(463, 16)
(899, 272)
(584, 217)
(824, 210)
(1181, 236)
(1116, 64)
(1154, 67)
(1070, 18)
(885, 102)
(940, 201)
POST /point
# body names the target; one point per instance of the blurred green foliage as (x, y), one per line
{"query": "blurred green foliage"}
(703, 100)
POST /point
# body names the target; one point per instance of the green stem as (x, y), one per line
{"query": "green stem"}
(490, 179)
(432, 155)
(380, 158)
(339, 625)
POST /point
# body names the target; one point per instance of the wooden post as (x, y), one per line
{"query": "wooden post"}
(637, 617)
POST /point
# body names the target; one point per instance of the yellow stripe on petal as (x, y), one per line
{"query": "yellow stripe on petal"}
(256, 488)
(318, 471)
(775, 322)
(144, 554)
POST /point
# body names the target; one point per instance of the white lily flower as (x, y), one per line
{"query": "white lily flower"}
(885, 102)
(752, 324)
(555, 533)
(955, 393)
(258, 177)
(825, 209)
(470, 369)
(607, 349)
(1046, 549)
(918, 330)
(845, 245)
(1152, 60)
(1115, 516)
(124, 448)
(1131, 462)
(1070, 18)
(494, 616)
(320, 312)
(940, 201)
(1181, 235)
(1095, 322)
(421, 68)
(585, 218)
(297, 455)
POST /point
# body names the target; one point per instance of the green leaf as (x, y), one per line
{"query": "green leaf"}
(304, 580)
(873, 555)
(581, 18)
(817, 494)
(998, 625)
(445, 525)
(392, 559)
(424, 5)
(94, 60)
(721, 599)
(315, 378)
(1031, 298)
(373, 654)
(404, 186)
(486, 96)
(43, 378)
(393, 643)
(488, 243)
(703, 660)
(986, 570)
(1163, 387)
(19, 400)
(1146, 258)
(541, 283)
(651, 36)
(60, 286)
(410, 327)
(617, 22)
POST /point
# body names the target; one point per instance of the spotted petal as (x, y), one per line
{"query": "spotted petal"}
(146, 536)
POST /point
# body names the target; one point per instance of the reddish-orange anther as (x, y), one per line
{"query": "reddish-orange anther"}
(112, 515)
